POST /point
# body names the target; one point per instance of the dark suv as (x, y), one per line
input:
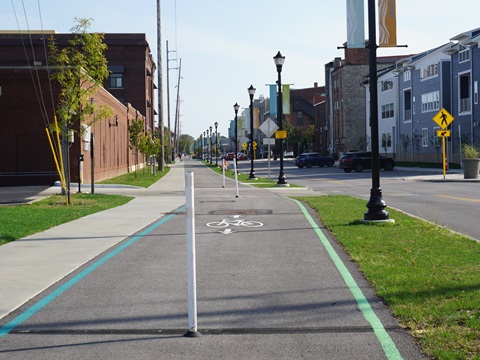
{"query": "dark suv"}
(313, 159)
(363, 160)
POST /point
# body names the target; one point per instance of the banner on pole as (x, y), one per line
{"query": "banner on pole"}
(273, 99)
(355, 24)
(286, 98)
(387, 25)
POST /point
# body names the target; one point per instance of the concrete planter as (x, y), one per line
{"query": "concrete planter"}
(471, 168)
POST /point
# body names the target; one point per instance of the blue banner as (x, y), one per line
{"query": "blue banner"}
(273, 99)
(355, 24)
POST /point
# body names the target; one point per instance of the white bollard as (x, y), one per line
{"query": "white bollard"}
(224, 168)
(236, 175)
(191, 265)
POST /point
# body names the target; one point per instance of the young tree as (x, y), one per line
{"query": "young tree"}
(405, 139)
(80, 69)
(136, 131)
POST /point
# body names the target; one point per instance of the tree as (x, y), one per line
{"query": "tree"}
(405, 139)
(80, 69)
(186, 143)
(136, 130)
(149, 146)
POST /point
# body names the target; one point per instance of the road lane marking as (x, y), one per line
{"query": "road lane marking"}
(385, 340)
(457, 198)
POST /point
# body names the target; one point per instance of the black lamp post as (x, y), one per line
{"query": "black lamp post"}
(279, 60)
(203, 146)
(251, 92)
(200, 147)
(236, 107)
(216, 143)
(211, 147)
(376, 206)
(208, 144)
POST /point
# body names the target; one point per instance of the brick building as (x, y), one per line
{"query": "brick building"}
(345, 105)
(25, 91)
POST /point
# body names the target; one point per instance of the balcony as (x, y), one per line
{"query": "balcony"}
(465, 105)
(408, 115)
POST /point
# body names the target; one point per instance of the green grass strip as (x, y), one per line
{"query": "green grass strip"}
(385, 340)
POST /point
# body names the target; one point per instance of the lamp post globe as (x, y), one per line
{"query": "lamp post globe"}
(251, 93)
(216, 143)
(236, 107)
(279, 60)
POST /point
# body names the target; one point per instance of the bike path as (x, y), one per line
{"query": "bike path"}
(265, 292)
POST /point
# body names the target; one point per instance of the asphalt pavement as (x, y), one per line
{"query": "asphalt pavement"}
(271, 283)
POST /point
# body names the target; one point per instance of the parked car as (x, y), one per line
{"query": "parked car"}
(265, 154)
(229, 156)
(313, 159)
(361, 160)
(242, 156)
(288, 154)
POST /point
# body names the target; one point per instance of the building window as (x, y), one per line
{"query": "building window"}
(387, 111)
(407, 75)
(387, 85)
(463, 54)
(407, 106)
(116, 81)
(299, 118)
(464, 93)
(431, 101)
(429, 71)
(437, 141)
(475, 92)
(425, 137)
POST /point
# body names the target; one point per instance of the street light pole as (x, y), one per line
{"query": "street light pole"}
(279, 60)
(251, 93)
(216, 143)
(203, 146)
(236, 107)
(376, 206)
(211, 147)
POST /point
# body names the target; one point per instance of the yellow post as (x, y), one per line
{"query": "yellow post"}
(444, 156)
(55, 158)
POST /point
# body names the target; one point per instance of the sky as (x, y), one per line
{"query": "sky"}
(225, 46)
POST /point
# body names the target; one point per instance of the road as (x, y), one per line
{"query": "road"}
(452, 204)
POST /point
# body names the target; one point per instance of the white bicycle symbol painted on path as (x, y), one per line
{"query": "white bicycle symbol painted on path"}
(235, 222)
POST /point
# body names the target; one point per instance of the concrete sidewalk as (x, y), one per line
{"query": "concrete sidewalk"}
(30, 265)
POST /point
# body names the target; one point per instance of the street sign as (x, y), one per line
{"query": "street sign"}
(268, 141)
(281, 134)
(268, 127)
(443, 133)
(443, 118)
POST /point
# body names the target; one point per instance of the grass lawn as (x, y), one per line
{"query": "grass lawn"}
(428, 276)
(22, 220)
(143, 178)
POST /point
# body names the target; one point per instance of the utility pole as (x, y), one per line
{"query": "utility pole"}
(160, 89)
(177, 112)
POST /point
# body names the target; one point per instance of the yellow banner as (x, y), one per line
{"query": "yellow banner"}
(387, 18)
(256, 117)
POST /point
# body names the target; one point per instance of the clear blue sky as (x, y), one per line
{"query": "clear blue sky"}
(226, 45)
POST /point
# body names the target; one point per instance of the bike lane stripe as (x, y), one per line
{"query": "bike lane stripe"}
(385, 340)
(7, 328)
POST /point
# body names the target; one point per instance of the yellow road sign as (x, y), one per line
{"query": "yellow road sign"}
(443, 118)
(244, 146)
(443, 133)
(281, 134)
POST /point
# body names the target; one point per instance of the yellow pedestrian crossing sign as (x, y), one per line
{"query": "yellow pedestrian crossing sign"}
(443, 118)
